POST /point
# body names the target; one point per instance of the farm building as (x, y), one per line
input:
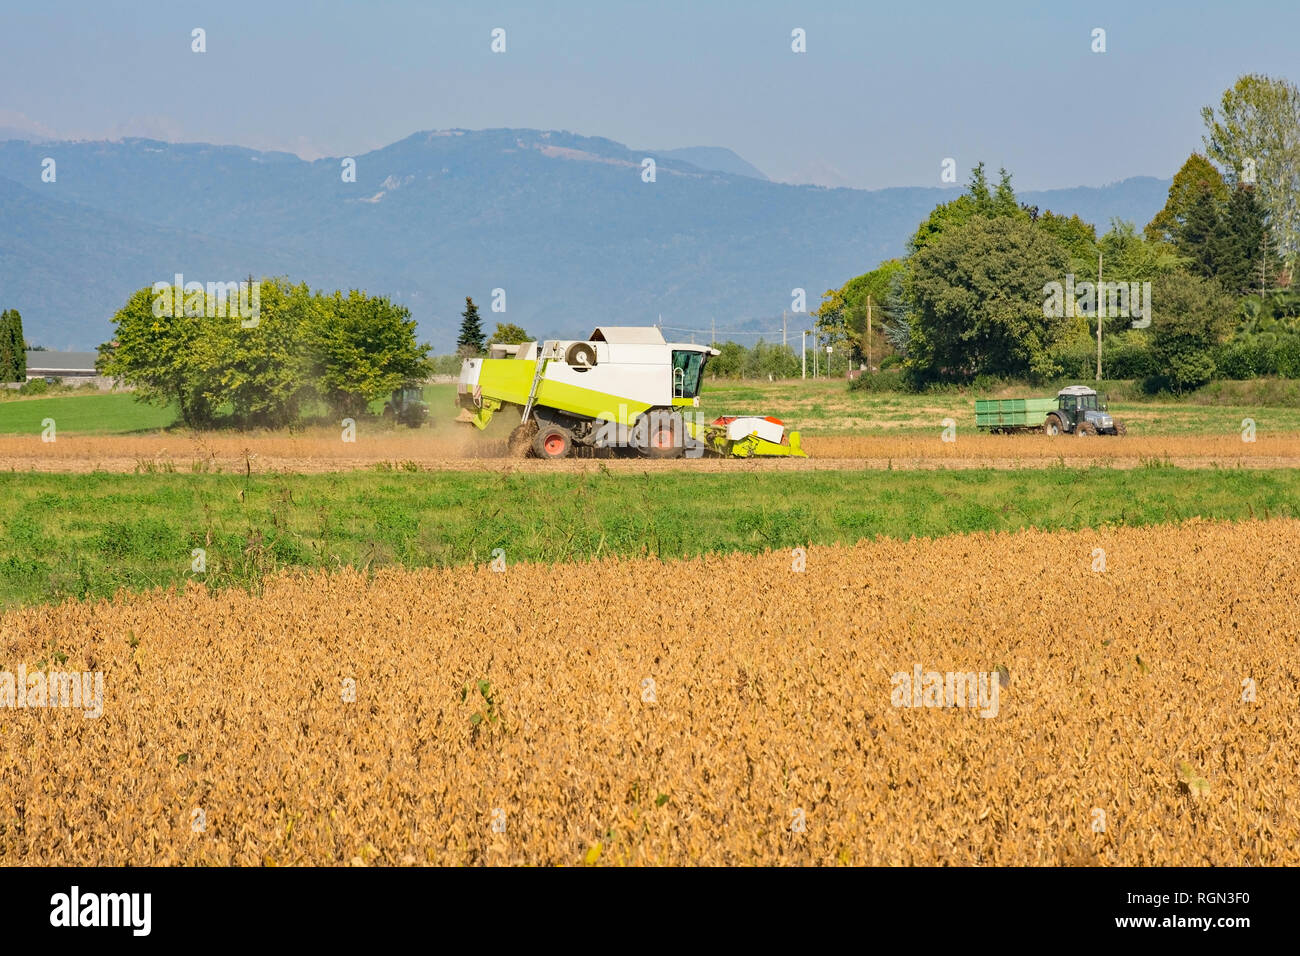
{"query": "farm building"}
(73, 368)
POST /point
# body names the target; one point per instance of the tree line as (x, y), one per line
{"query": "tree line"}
(974, 294)
(301, 350)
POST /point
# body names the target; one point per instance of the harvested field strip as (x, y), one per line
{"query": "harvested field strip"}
(717, 710)
(325, 451)
(89, 535)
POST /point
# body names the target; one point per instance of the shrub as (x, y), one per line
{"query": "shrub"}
(886, 380)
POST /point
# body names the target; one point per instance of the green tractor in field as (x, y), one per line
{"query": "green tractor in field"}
(1076, 410)
(407, 406)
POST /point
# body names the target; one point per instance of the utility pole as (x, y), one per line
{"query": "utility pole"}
(803, 351)
(783, 328)
(713, 336)
(816, 343)
(1098, 300)
(868, 333)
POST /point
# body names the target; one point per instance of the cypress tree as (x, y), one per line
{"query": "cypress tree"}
(1197, 237)
(1240, 248)
(8, 362)
(19, 346)
(471, 331)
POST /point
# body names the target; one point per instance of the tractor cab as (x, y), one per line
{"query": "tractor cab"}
(1081, 411)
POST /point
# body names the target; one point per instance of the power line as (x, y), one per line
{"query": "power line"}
(723, 332)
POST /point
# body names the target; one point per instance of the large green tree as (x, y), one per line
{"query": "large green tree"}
(362, 348)
(977, 292)
(262, 372)
(1255, 135)
(1196, 177)
(1192, 317)
(159, 356)
(1241, 248)
(347, 349)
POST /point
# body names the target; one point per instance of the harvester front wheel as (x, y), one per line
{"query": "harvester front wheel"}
(552, 442)
(1086, 429)
(1120, 429)
(665, 435)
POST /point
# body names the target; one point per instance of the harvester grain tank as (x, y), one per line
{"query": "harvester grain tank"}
(625, 386)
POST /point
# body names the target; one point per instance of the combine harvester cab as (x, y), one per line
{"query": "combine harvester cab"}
(624, 387)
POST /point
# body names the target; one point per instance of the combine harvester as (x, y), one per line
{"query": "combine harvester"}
(625, 387)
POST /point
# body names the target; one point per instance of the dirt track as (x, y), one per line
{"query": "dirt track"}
(325, 452)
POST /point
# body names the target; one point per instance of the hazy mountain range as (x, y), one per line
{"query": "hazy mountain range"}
(565, 224)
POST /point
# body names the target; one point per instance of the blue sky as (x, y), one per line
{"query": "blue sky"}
(883, 94)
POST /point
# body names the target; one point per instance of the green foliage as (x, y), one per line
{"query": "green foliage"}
(1241, 250)
(299, 347)
(363, 348)
(978, 200)
(843, 312)
(1196, 178)
(761, 361)
(13, 355)
(470, 341)
(886, 380)
(1257, 128)
(507, 333)
(978, 293)
(1078, 238)
(1192, 318)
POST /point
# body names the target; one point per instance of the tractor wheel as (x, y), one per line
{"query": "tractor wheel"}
(1086, 428)
(521, 440)
(552, 442)
(665, 434)
(1120, 429)
(1052, 426)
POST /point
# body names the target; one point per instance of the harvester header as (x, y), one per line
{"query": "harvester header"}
(623, 386)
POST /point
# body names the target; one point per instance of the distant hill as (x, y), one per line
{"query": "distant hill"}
(563, 223)
(714, 158)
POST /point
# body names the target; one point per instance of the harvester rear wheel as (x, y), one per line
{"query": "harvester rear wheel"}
(552, 442)
(665, 435)
(521, 440)
(1052, 426)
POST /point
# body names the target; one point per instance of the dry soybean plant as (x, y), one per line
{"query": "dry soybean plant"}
(717, 710)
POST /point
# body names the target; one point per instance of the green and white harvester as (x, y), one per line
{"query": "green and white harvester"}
(622, 388)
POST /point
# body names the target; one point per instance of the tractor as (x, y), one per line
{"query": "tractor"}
(1081, 411)
(407, 406)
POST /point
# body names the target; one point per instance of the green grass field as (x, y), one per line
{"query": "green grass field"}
(76, 536)
(91, 413)
(88, 412)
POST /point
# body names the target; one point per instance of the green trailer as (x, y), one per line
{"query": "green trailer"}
(1012, 414)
